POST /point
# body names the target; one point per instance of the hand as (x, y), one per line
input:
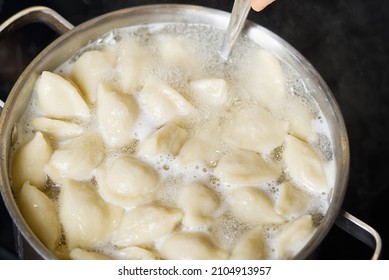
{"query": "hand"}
(259, 5)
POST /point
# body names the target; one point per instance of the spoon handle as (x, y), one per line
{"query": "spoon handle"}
(239, 15)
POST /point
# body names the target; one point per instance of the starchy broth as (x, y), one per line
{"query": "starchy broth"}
(161, 117)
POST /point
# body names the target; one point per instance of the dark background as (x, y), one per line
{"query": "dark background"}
(347, 41)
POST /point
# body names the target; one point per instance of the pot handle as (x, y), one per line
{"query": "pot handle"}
(35, 14)
(361, 231)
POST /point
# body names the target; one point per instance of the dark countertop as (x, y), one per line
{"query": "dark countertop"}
(347, 41)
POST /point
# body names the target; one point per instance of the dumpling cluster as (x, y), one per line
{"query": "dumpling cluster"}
(126, 163)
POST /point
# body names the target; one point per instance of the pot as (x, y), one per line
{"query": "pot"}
(73, 39)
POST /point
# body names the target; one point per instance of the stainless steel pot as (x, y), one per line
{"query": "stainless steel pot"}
(74, 39)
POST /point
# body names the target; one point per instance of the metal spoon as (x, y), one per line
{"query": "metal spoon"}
(238, 17)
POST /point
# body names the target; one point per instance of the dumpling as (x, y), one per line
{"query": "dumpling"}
(291, 201)
(265, 80)
(58, 98)
(250, 246)
(40, 213)
(127, 181)
(304, 165)
(242, 167)
(79, 254)
(143, 224)
(132, 60)
(294, 235)
(191, 246)
(204, 146)
(199, 204)
(116, 116)
(136, 253)
(78, 159)
(168, 139)
(211, 92)
(92, 68)
(163, 103)
(29, 162)
(87, 220)
(300, 118)
(57, 129)
(255, 129)
(177, 52)
(252, 205)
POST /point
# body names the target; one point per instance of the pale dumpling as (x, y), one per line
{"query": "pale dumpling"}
(300, 117)
(304, 165)
(163, 103)
(294, 235)
(143, 224)
(132, 60)
(177, 52)
(78, 159)
(92, 68)
(40, 213)
(191, 246)
(252, 205)
(242, 167)
(250, 246)
(204, 146)
(211, 92)
(127, 181)
(58, 129)
(265, 80)
(116, 116)
(79, 254)
(255, 129)
(166, 140)
(87, 220)
(58, 98)
(199, 204)
(29, 162)
(291, 201)
(136, 253)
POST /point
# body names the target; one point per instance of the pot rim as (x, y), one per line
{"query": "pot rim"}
(71, 42)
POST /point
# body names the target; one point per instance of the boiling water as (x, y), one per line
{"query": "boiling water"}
(204, 61)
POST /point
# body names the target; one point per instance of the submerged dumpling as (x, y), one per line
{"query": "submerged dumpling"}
(199, 204)
(87, 220)
(116, 116)
(58, 98)
(252, 205)
(250, 246)
(127, 181)
(191, 246)
(168, 139)
(163, 103)
(131, 62)
(243, 167)
(177, 52)
(79, 254)
(92, 68)
(291, 201)
(29, 162)
(143, 224)
(57, 129)
(255, 129)
(211, 92)
(294, 235)
(204, 146)
(40, 213)
(78, 159)
(265, 80)
(304, 165)
(136, 253)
